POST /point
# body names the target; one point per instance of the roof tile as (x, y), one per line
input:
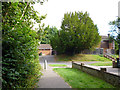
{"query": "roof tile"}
(45, 46)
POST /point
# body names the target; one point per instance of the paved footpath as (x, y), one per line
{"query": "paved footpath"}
(50, 79)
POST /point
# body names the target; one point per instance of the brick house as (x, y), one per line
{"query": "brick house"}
(45, 49)
(106, 45)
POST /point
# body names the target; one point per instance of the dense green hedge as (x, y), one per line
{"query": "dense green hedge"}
(20, 59)
(21, 66)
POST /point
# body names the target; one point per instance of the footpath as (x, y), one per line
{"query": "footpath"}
(50, 79)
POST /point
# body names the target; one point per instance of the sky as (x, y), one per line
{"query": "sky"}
(100, 11)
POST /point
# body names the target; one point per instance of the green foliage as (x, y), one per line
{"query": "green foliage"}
(115, 36)
(116, 48)
(20, 60)
(46, 34)
(116, 41)
(57, 65)
(102, 64)
(77, 33)
(78, 79)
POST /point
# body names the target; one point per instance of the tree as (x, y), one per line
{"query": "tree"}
(77, 33)
(45, 34)
(115, 36)
(20, 60)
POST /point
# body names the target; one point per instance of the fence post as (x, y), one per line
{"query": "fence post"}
(81, 66)
(103, 69)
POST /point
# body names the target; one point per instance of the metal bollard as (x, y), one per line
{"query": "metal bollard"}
(45, 64)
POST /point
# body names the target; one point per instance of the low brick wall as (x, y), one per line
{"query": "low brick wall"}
(108, 77)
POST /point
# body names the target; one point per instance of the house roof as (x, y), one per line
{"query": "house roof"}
(45, 46)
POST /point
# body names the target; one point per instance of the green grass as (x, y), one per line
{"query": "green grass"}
(57, 65)
(81, 57)
(79, 79)
(102, 64)
(115, 56)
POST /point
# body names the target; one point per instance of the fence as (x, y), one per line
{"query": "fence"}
(102, 74)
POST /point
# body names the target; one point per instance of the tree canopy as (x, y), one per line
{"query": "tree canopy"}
(77, 33)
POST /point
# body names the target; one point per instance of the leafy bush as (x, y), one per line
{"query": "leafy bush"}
(20, 59)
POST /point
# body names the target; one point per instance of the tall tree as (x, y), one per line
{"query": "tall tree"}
(20, 60)
(77, 33)
(115, 34)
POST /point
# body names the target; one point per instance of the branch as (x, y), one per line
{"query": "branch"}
(24, 10)
(22, 14)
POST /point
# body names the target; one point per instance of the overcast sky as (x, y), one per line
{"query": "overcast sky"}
(101, 11)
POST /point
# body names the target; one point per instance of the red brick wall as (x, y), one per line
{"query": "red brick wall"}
(45, 52)
(110, 45)
(105, 45)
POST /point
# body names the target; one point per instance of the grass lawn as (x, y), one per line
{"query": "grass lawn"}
(57, 65)
(79, 79)
(102, 64)
(115, 56)
(81, 57)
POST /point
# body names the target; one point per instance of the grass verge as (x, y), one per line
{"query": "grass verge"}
(79, 79)
(115, 56)
(102, 64)
(81, 57)
(57, 65)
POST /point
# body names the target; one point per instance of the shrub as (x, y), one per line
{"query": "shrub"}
(20, 61)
